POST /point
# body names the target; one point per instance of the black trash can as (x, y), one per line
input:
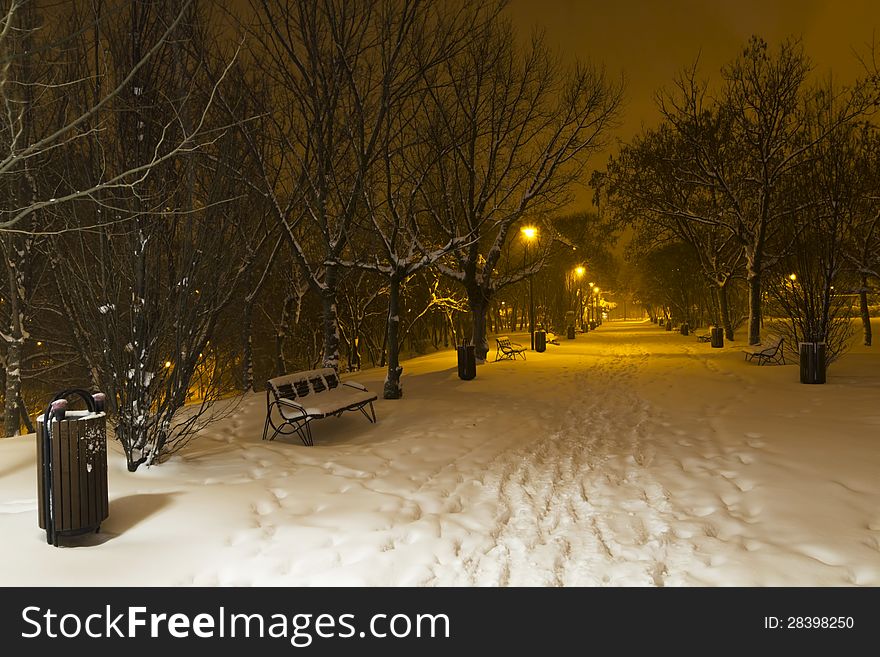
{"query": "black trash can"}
(570, 333)
(717, 335)
(660, 322)
(593, 325)
(72, 467)
(668, 325)
(540, 340)
(812, 361)
(685, 328)
(467, 362)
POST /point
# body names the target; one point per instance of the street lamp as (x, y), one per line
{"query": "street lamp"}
(590, 304)
(529, 233)
(596, 302)
(579, 271)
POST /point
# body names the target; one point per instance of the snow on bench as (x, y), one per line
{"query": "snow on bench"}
(294, 400)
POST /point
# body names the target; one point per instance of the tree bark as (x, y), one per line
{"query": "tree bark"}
(393, 389)
(478, 302)
(724, 311)
(247, 346)
(330, 317)
(281, 334)
(865, 312)
(11, 421)
(754, 280)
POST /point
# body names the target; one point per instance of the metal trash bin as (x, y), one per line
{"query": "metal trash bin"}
(540, 340)
(72, 467)
(685, 328)
(660, 322)
(668, 325)
(467, 362)
(570, 332)
(812, 361)
(717, 335)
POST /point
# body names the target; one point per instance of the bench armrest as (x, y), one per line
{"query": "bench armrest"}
(284, 401)
(355, 384)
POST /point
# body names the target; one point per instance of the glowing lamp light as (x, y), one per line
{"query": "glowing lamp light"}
(39, 343)
(167, 364)
(529, 232)
(793, 277)
(580, 271)
(596, 290)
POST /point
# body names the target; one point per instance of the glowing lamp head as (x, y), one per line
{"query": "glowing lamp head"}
(167, 364)
(580, 271)
(596, 290)
(793, 277)
(529, 232)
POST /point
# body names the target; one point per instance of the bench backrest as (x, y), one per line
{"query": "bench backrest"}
(503, 342)
(303, 384)
(773, 347)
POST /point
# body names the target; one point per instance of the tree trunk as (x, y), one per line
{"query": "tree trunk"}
(11, 422)
(724, 310)
(281, 334)
(754, 280)
(247, 346)
(479, 305)
(330, 320)
(25, 417)
(393, 389)
(865, 312)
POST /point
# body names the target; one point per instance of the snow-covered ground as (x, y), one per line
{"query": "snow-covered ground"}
(630, 456)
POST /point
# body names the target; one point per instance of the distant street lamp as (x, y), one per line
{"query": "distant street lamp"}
(596, 302)
(529, 233)
(579, 271)
(590, 304)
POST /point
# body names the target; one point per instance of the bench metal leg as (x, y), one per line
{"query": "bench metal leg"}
(371, 416)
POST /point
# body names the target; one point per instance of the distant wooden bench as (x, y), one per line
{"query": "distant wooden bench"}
(772, 353)
(508, 350)
(705, 337)
(294, 400)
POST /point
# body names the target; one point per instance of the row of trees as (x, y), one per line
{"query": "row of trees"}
(764, 175)
(188, 188)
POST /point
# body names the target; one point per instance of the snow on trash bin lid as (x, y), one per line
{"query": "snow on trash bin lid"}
(77, 415)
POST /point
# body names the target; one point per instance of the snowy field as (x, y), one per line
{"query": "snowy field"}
(630, 456)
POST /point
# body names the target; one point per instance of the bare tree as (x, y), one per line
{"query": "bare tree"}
(336, 69)
(831, 189)
(651, 182)
(747, 147)
(515, 128)
(144, 292)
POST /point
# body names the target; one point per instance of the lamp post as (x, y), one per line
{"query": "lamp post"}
(598, 319)
(579, 271)
(590, 305)
(529, 233)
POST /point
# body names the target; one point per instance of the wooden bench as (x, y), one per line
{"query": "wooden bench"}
(294, 400)
(508, 350)
(772, 353)
(705, 337)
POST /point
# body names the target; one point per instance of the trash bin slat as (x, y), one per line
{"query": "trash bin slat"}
(57, 468)
(41, 509)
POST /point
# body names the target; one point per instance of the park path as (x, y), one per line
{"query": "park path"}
(579, 505)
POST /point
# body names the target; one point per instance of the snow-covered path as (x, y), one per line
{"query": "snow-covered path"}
(630, 456)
